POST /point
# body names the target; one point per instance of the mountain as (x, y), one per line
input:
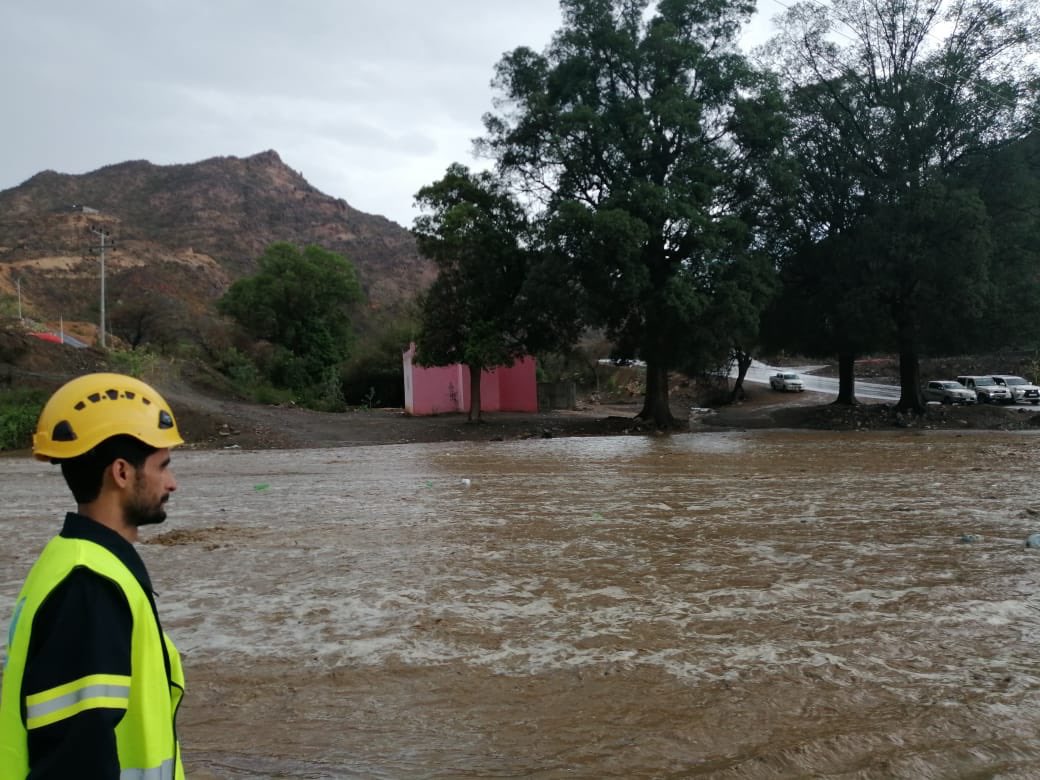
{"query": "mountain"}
(184, 233)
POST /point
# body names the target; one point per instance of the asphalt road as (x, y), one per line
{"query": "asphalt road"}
(759, 373)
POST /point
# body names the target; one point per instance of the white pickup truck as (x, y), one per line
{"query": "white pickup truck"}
(786, 380)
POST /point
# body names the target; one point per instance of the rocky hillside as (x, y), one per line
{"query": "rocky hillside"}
(183, 233)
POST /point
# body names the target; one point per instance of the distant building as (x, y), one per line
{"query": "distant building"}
(73, 208)
(445, 389)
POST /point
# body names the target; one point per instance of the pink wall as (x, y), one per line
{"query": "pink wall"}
(517, 386)
(446, 388)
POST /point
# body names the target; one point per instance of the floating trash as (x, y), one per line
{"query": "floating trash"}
(466, 482)
(970, 538)
(261, 486)
(1033, 541)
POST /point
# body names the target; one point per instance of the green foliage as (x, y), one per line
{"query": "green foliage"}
(374, 374)
(933, 253)
(301, 302)
(8, 306)
(880, 135)
(328, 395)
(1008, 182)
(488, 305)
(239, 368)
(572, 364)
(653, 147)
(135, 362)
(274, 396)
(19, 411)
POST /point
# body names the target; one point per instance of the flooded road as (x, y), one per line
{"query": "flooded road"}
(730, 605)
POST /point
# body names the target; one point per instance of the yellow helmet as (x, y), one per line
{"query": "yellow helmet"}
(85, 411)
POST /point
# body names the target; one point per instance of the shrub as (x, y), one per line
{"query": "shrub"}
(19, 411)
(135, 362)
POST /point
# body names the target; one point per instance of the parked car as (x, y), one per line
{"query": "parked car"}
(786, 380)
(987, 389)
(946, 391)
(1022, 390)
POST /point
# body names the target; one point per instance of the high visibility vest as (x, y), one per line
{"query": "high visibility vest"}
(145, 737)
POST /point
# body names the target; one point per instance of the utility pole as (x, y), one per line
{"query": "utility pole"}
(102, 234)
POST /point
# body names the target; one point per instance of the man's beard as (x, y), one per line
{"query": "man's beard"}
(139, 513)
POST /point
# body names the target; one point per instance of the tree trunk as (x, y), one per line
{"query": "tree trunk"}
(910, 399)
(846, 379)
(655, 404)
(743, 364)
(474, 393)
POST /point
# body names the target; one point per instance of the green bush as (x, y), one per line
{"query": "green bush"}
(239, 368)
(19, 410)
(272, 396)
(374, 374)
(135, 362)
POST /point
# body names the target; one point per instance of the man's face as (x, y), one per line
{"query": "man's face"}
(153, 483)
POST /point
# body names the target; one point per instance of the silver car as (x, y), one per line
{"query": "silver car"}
(948, 392)
(788, 381)
(1022, 390)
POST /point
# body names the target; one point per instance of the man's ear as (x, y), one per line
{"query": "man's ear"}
(121, 472)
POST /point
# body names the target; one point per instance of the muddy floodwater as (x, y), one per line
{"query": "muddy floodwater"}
(766, 604)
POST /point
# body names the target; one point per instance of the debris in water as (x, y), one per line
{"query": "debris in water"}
(1033, 541)
(261, 486)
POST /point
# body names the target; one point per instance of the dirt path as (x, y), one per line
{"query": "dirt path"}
(207, 422)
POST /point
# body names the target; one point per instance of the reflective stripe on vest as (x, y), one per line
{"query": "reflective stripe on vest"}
(110, 691)
(161, 772)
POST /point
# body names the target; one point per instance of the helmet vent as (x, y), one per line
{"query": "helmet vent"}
(63, 432)
(80, 406)
(165, 421)
(130, 395)
(112, 394)
(94, 397)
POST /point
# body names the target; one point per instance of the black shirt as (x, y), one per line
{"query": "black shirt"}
(83, 627)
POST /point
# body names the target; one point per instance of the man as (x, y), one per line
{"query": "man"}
(91, 683)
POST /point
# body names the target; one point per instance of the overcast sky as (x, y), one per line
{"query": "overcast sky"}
(369, 100)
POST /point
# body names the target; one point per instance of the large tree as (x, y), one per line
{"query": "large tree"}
(642, 133)
(903, 93)
(823, 308)
(494, 298)
(301, 301)
(1008, 182)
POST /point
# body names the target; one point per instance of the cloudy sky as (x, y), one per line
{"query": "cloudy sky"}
(368, 100)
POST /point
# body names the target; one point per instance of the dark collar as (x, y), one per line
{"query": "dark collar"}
(79, 526)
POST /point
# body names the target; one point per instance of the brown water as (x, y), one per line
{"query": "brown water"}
(730, 605)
